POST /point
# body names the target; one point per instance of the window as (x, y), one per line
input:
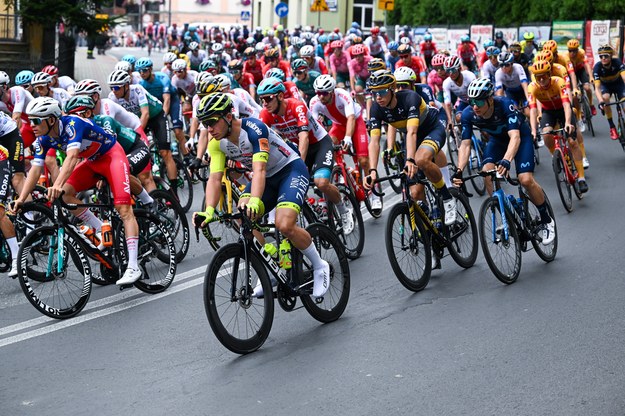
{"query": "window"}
(363, 13)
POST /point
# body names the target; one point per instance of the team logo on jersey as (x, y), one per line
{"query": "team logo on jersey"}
(264, 145)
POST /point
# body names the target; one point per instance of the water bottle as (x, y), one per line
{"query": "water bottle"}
(322, 207)
(436, 217)
(284, 254)
(107, 234)
(271, 249)
(174, 147)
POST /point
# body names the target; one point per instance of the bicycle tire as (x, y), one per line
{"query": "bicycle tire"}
(222, 232)
(621, 129)
(354, 242)
(5, 256)
(474, 166)
(184, 191)
(398, 162)
(575, 174)
(536, 154)
(465, 231)
(334, 301)
(564, 188)
(414, 274)
(491, 239)
(587, 113)
(452, 148)
(171, 213)
(59, 297)
(532, 220)
(218, 291)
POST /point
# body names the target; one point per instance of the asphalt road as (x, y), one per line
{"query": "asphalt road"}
(550, 344)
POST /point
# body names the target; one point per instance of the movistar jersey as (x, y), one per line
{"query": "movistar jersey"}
(505, 118)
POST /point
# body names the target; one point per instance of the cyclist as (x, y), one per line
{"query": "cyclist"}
(102, 155)
(468, 53)
(253, 66)
(23, 79)
(492, 64)
(128, 67)
(393, 56)
(272, 60)
(240, 99)
(528, 46)
(425, 134)
(65, 82)
(314, 63)
(437, 75)
(291, 90)
(562, 59)
(275, 166)
(304, 78)
(339, 63)
(42, 82)
(6, 225)
(168, 59)
(358, 73)
(510, 81)
(14, 100)
(184, 82)
(578, 59)
(456, 83)
(196, 55)
(11, 141)
(375, 43)
(553, 96)
(428, 49)
(609, 76)
(500, 42)
(416, 63)
(244, 79)
(520, 57)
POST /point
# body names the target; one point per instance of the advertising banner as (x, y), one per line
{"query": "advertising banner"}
(563, 31)
(510, 34)
(453, 37)
(541, 33)
(615, 39)
(439, 36)
(480, 34)
(597, 33)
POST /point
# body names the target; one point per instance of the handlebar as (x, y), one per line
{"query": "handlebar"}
(493, 174)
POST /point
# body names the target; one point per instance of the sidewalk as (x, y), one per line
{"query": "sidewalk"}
(98, 68)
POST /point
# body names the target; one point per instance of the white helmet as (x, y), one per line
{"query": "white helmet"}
(307, 51)
(217, 47)
(260, 47)
(41, 78)
(193, 46)
(179, 65)
(324, 83)
(224, 81)
(405, 74)
(405, 40)
(202, 76)
(4, 78)
(307, 35)
(169, 57)
(43, 107)
(87, 87)
(119, 77)
(123, 66)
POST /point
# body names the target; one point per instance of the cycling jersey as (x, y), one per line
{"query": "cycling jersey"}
(563, 59)
(511, 81)
(240, 109)
(245, 96)
(12, 141)
(67, 83)
(18, 100)
(255, 69)
(307, 86)
(528, 47)
(339, 63)
(489, 69)
(428, 49)
(391, 62)
(416, 64)
(186, 84)
(460, 91)
(7, 124)
(165, 70)
(292, 91)
(466, 53)
(119, 113)
(136, 151)
(357, 69)
(578, 60)
(341, 107)
(196, 60)
(159, 85)
(609, 74)
(297, 117)
(552, 97)
(377, 47)
(559, 71)
(139, 98)
(246, 81)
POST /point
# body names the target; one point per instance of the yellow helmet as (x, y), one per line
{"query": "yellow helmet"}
(540, 68)
(550, 45)
(572, 44)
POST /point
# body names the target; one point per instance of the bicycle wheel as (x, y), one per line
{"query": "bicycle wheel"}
(222, 232)
(169, 211)
(463, 233)
(184, 188)
(621, 129)
(333, 304)
(409, 251)
(59, 295)
(393, 166)
(31, 216)
(353, 240)
(239, 321)
(536, 154)
(575, 175)
(502, 255)
(564, 189)
(587, 113)
(452, 148)
(474, 167)
(156, 247)
(533, 221)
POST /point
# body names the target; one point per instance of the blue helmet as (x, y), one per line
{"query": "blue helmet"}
(465, 38)
(271, 85)
(355, 25)
(24, 77)
(492, 51)
(333, 36)
(129, 58)
(488, 43)
(392, 46)
(144, 63)
(192, 28)
(276, 73)
(427, 37)
(322, 39)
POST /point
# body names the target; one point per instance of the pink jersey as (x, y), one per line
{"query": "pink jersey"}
(357, 69)
(434, 81)
(339, 63)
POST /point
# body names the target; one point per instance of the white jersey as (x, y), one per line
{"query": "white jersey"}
(60, 95)
(67, 84)
(449, 86)
(512, 81)
(488, 70)
(165, 70)
(247, 98)
(341, 107)
(19, 99)
(186, 84)
(197, 60)
(375, 48)
(120, 114)
(138, 98)
(7, 125)
(240, 109)
(136, 78)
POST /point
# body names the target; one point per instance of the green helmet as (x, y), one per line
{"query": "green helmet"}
(78, 104)
(214, 105)
(207, 64)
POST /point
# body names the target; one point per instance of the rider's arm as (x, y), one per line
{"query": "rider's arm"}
(303, 144)
(513, 145)
(31, 180)
(217, 166)
(166, 103)
(145, 116)
(69, 164)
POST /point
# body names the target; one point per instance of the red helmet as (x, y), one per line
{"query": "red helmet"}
(375, 30)
(438, 59)
(50, 69)
(321, 31)
(452, 62)
(336, 44)
(358, 50)
(337, 30)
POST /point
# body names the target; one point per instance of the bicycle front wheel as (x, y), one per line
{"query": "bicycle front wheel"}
(393, 166)
(463, 233)
(533, 220)
(564, 188)
(351, 232)
(184, 188)
(240, 321)
(475, 166)
(408, 250)
(172, 215)
(502, 254)
(58, 292)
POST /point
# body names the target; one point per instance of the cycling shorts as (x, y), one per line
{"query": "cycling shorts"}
(320, 158)
(555, 118)
(524, 159)
(5, 182)
(175, 113)
(342, 77)
(14, 144)
(360, 138)
(617, 88)
(158, 126)
(138, 158)
(113, 165)
(582, 76)
(360, 82)
(517, 95)
(287, 188)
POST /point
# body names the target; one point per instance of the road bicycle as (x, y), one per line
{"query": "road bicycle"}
(242, 321)
(565, 170)
(416, 231)
(585, 107)
(394, 160)
(184, 183)
(54, 269)
(476, 156)
(620, 119)
(507, 224)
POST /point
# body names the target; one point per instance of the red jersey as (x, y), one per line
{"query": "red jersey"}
(481, 58)
(428, 49)
(256, 70)
(292, 91)
(246, 81)
(283, 65)
(467, 52)
(417, 65)
(297, 117)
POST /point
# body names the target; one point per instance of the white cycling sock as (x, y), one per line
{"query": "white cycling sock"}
(446, 177)
(90, 219)
(12, 242)
(132, 245)
(312, 254)
(145, 197)
(341, 207)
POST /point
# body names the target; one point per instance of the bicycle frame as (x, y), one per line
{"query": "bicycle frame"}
(357, 189)
(561, 143)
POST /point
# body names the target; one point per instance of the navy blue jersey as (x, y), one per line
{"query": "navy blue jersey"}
(609, 74)
(505, 118)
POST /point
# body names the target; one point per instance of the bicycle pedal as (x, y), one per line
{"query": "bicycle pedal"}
(319, 300)
(122, 287)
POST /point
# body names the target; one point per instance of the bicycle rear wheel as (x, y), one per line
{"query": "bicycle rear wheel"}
(546, 252)
(502, 255)
(587, 113)
(331, 306)
(409, 251)
(452, 148)
(575, 174)
(184, 188)
(353, 240)
(172, 215)
(393, 166)
(564, 189)
(59, 295)
(463, 233)
(475, 166)
(240, 321)
(621, 129)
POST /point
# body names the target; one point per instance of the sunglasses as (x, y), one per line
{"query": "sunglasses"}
(606, 56)
(235, 71)
(180, 71)
(506, 65)
(40, 87)
(116, 87)
(478, 103)
(380, 93)
(144, 70)
(36, 121)
(211, 122)
(573, 50)
(405, 55)
(322, 93)
(451, 70)
(267, 98)
(298, 72)
(403, 86)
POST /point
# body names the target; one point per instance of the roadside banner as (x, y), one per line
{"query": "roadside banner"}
(563, 31)
(480, 34)
(615, 37)
(541, 33)
(453, 38)
(597, 33)
(510, 34)
(439, 36)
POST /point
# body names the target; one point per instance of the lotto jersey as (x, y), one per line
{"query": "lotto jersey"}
(255, 139)
(410, 110)
(505, 118)
(297, 117)
(138, 98)
(75, 133)
(341, 107)
(460, 91)
(552, 97)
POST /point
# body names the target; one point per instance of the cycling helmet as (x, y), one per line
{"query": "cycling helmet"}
(216, 48)
(192, 28)
(24, 77)
(40, 78)
(235, 65)
(307, 36)
(50, 69)
(528, 36)
(78, 104)
(201, 76)
(207, 86)
(427, 37)
(605, 49)
(169, 57)
(260, 47)
(465, 38)
(357, 50)
(544, 56)
(43, 107)
(336, 44)
(452, 62)
(270, 86)
(123, 66)
(300, 43)
(307, 52)
(489, 43)
(224, 81)
(207, 65)
(333, 36)
(492, 51)
(480, 88)
(515, 47)
(550, 45)
(540, 67)
(405, 40)
(272, 53)
(130, 59)
(380, 79)
(87, 87)
(194, 46)
(144, 63)
(118, 77)
(179, 65)
(392, 46)
(355, 25)
(505, 58)
(276, 73)
(404, 49)
(375, 30)
(324, 83)
(375, 65)
(499, 34)
(438, 59)
(249, 52)
(356, 40)
(572, 44)
(294, 40)
(4, 78)
(323, 39)
(299, 63)
(405, 74)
